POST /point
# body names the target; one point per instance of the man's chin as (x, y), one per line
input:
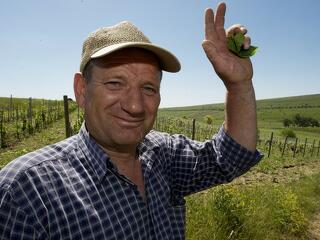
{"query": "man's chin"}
(130, 139)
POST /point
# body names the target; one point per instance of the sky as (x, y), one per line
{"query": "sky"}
(41, 42)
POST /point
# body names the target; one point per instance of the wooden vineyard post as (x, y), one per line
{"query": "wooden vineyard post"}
(284, 146)
(66, 116)
(305, 145)
(314, 142)
(270, 144)
(193, 128)
(295, 147)
(318, 148)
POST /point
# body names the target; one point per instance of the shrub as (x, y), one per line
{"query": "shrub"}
(288, 215)
(287, 122)
(208, 119)
(265, 211)
(230, 209)
(302, 121)
(288, 133)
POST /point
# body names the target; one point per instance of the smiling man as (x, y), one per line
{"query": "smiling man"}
(117, 178)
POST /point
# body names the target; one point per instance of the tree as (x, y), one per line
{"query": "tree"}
(287, 122)
(301, 121)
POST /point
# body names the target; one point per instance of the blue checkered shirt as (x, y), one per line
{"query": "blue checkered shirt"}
(71, 190)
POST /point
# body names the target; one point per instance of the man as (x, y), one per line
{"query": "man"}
(118, 179)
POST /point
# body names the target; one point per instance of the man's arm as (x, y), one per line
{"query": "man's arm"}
(236, 74)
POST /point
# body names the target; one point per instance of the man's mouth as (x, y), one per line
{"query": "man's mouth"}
(129, 122)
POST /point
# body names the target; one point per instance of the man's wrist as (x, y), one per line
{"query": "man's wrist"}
(243, 87)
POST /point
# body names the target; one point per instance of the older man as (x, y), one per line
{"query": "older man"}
(118, 179)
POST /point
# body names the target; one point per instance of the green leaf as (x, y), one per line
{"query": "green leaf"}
(248, 52)
(235, 45)
(239, 39)
(232, 45)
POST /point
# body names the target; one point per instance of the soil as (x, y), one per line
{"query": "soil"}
(285, 174)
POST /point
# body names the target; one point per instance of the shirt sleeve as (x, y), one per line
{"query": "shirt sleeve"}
(199, 165)
(14, 222)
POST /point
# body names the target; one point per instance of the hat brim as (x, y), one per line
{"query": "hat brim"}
(168, 61)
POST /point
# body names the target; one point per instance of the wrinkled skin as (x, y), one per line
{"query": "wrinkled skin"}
(122, 98)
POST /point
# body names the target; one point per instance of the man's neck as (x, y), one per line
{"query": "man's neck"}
(125, 161)
(128, 164)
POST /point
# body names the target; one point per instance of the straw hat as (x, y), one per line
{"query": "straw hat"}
(124, 35)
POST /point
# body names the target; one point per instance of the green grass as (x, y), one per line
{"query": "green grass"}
(264, 210)
(312, 100)
(16, 123)
(54, 133)
(270, 112)
(260, 211)
(23, 103)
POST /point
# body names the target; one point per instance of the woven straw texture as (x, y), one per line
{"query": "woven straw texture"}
(107, 36)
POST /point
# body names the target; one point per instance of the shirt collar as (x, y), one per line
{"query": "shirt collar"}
(94, 154)
(98, 159)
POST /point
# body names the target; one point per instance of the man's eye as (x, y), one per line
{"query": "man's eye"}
(149, 90)
(113, 85)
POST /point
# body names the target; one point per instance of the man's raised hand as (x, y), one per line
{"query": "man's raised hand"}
(232, 69)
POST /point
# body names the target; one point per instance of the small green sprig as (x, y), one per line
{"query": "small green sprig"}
(235, 45)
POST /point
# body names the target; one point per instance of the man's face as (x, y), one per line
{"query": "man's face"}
(122, 98)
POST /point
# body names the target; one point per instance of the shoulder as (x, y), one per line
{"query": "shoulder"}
(169, 143)
(157, 138)
(33, 160)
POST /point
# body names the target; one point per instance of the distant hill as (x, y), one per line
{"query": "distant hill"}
(304, 101)
(268, 110)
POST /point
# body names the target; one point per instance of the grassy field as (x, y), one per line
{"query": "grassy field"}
(276, 199)
(269, 110)
(259, 211)
(270, 114)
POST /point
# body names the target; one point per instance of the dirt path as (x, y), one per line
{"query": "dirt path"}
(283, 175)
(314, 228)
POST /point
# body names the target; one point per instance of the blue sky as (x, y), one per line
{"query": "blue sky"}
(41, 41)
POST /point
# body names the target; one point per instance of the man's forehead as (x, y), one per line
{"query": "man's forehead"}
(130, 55)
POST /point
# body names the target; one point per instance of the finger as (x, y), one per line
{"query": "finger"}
(243, 30)
(219, 20)
(246, 42)
(236, 28)
(210, 31)
(210, 50)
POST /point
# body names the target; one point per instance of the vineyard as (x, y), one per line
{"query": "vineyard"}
(20, 118)
(274, 200)
(275, 145)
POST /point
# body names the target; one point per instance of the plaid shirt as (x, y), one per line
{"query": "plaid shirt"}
(71, 190)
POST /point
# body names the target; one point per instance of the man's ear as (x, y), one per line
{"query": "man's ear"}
(79, 88)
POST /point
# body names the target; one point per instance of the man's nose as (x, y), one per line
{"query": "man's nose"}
(132, 102)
